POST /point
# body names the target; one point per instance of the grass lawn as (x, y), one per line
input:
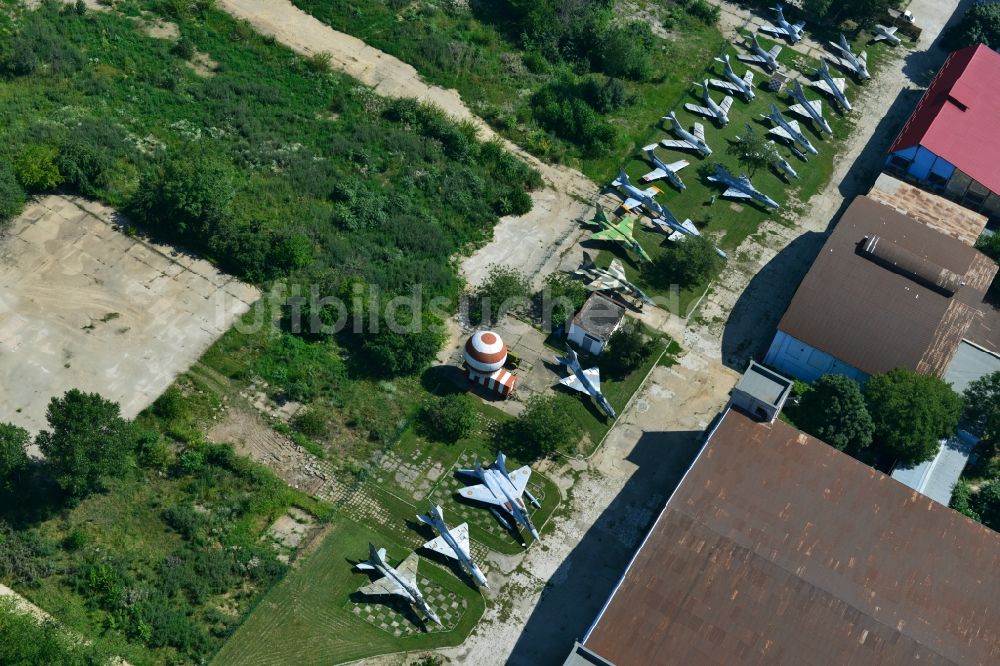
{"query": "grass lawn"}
(310, 618)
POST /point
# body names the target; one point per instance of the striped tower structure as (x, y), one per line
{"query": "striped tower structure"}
(485, 355)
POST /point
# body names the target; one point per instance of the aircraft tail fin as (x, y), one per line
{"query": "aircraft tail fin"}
(501, 462)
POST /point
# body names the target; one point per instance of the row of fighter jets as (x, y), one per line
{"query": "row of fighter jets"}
(498, 489)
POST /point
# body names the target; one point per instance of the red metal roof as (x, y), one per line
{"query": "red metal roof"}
(958, 118)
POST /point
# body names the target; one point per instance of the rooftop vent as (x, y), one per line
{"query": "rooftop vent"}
(907, 264)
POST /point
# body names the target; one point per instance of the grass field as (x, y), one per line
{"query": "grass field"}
(314, 617)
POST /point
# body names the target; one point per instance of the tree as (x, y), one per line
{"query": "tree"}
(686, 263)
(562, 296)
(911, 413)
(504, 289)
(404, 351)
(36, 168)
(12, 195)
(753, 151)
(627, 350)
(985, 503)
(449, 418)
(979, 25)
(88, 442)
(544, 427)
(834, 410)
(14, 461)
(982, 407)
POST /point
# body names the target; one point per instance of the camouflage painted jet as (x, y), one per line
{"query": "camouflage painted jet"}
(792, 31)
(720, 111)
(766, 59)
(833, 86)
(888, 34)
(687, 140)
(789, 130)
(584, 381)
(807, 108)
(400, 581)
(740, 188)
(664, 170)
(620, 233)
(498, 488)
(453, 543)
(610, 279)
(847, 60)
(741, 86)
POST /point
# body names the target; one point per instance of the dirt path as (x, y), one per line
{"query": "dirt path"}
(532, 242)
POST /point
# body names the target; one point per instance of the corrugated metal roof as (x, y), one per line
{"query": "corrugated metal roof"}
(936, 478)
(778, 548)
(599, 316)
(877, 319)
(957, 116)
(930, 209)
(764, 384)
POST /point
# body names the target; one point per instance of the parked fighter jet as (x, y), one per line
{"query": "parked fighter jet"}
(835, 87)
(687, 140)
(636, 198)
(766, 59)
(847, 60)
(740, 188)
(792, 31)
(888, 34)
(401, 581)
(783, 167)
(789, 130)
(453, 543)
(741, 86)
(664, 170)
(620, 233)
(610, 279)
(808, 108)
(502, 489)
(585, 381)
(720, 112)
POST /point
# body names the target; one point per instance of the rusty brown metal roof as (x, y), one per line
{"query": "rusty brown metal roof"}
(876, 317)
(934, 211)
(777, 548)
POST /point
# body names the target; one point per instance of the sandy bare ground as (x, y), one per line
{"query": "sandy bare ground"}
(532, 242)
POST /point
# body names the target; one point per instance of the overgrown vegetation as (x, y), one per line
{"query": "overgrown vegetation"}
(977, 494)
(544, 427)
(29, 642)
(979, 25)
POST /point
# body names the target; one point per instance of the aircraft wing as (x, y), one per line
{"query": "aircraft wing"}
(678, 165)
(885, 33)
(780, 131)
(794, 124)
(616, 270)
(480, 493)
(863, 58)
(439, 545)
(699, 131)
(748, 77)
(677, 143)
(624, 226)
(461, 534)
(775, 50)
(752, 58)
(603, 282)
(594, 375)
(733, 192)
(407, 569)
(725, 85)
(798, 109)
(727, 103)
(703, 110)
(654, 175)
(383, 586)
(773, 29)
(519, 477)
(841, 62)
(574, 383)
(631, 203)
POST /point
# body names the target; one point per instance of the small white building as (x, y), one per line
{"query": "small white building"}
(595, 323)
(761, 393)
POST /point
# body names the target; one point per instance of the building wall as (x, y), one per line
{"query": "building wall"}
(938, 175)
(796, 359)
(578, 336)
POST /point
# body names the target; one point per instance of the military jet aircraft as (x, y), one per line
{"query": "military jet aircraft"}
(620, 233)
(687, 140)
(792, 31)
(400, 581)
(502, 489)
(720, 111)
(847, 60)
(636, 198)
(766, 59)
(783, 167)
(585, 381)
(740, 188)
(453, 543)
(740, 86)
(789, 130)
(664, 170)
(835, 87)
(888, 34)
(808, 108)
(610, 279)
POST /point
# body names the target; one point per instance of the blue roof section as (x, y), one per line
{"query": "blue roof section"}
(937, 477)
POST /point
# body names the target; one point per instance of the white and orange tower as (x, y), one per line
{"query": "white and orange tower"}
(485, 355)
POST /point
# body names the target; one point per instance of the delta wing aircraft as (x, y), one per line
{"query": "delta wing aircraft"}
(585, 381)
(453, 543)
(610, 279)
(834, 86)
(740, 188)
(498, 488)
(400, 581)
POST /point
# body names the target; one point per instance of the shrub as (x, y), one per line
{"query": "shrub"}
(449, 418)
(184, 48)
(311, 422)
(502, 290)
(404, 352)
(561, 297)
(625, 50)
(544, 427)
(12, 196)
(36, 168)
(979, 25)
(25, 557)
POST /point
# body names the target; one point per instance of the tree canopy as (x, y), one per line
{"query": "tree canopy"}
(88, 441)
(834, 410)
(687, 262)
(448, 418)
(979, 25)
(14, 461)
(982, 407)
(628, 348)
(27, 642)
(753, 151)
(544, 427)
(911, 413)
